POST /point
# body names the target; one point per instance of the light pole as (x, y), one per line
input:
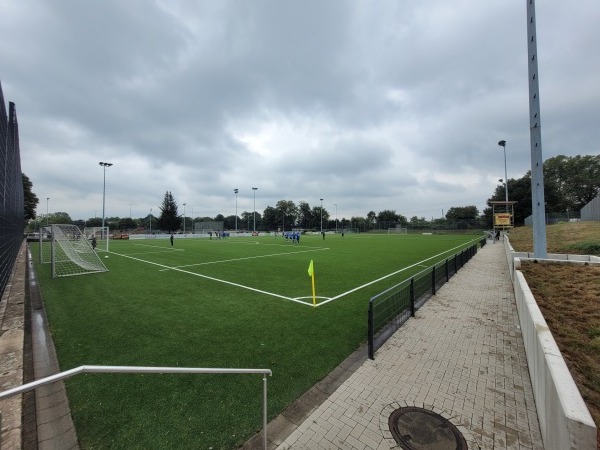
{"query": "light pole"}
(192, 220)
(104, 165)
(321, 216)
(503, 145)
(184, 218)
(236, 193)
(130, 210)
(254, 214)
(150, 220)
(47, 198)
(336, 230)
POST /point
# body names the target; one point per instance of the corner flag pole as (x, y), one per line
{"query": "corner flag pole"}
(311, 274)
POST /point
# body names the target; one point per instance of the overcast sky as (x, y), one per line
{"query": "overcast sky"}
(369, 105)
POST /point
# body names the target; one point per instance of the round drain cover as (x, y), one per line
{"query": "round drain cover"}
(420, 429)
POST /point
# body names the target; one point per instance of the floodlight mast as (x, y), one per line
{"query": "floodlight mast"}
(236, 194)
(503, 145)
(535, 134)
(321, 216)
(104, 165)
(254, 213)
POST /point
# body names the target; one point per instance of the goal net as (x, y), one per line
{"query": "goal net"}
(399, 230)
(101, 234)
(71, 253)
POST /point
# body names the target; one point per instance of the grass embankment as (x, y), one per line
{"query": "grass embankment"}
(569, 298)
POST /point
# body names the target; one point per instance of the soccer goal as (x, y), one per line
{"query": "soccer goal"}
(100, 233)
(399, 230)
(70, 252)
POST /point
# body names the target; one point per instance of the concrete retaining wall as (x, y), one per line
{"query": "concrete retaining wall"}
(565, 421)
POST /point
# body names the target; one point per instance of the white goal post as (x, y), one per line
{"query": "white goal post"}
(70, 252)
(398, 230)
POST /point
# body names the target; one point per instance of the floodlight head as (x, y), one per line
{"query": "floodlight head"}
(236, 190)
(502, 143)
(105, 164)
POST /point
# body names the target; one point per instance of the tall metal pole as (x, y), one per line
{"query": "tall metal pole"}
(236, 193)
(535, 134)
(254, 214)
(150, 220)
(503, 145)
(336, 230)
(104, 165)
(184, 218)
(321, 215)
(47, 198)
(130, 210)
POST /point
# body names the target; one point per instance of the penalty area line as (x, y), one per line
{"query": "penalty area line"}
(218, 280)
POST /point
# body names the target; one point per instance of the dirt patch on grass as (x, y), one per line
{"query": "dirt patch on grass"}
(569, 298)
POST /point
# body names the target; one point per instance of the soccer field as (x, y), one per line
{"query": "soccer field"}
(244, 302)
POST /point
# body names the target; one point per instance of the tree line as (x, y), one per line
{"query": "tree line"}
(569, 184)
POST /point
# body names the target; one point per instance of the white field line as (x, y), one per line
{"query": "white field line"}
(247, 257)
(389, 275)
(214, 279)
(296, 300)
(160, 251)
(153, 246)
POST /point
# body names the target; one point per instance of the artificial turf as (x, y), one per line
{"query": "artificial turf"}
(244, 302)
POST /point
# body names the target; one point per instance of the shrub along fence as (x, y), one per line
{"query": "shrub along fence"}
(394, 306)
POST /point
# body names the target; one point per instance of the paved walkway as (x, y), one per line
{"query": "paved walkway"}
(462, 356)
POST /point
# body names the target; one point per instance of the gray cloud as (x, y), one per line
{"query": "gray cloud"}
(398, 105)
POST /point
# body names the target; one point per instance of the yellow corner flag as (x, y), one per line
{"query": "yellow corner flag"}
(311, 273)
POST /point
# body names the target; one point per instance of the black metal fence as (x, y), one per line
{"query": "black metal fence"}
(11, 192)
(394, 306)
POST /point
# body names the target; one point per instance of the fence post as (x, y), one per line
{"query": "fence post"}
(370, 337)
(412, 297)
(446, 268)
(433, 280)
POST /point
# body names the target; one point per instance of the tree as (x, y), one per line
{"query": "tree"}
(576, 180)
(59, 218)
(168, 221)
(230, 222)
(389, 218)
(94, 222)
(271, 218)
(288, 213)
(305, 216)
(463, 216)
(127, 224)
(371, 218)
(316, 214)
(30, 199)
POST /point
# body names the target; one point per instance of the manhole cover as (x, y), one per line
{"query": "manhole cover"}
(420, 429)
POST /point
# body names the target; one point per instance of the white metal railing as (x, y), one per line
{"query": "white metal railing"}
(136, 369)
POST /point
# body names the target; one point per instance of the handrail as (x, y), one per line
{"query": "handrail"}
(138, 369)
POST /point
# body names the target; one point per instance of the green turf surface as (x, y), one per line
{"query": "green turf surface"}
(237, 303)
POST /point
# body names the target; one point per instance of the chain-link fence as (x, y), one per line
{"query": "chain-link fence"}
(11, 191)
